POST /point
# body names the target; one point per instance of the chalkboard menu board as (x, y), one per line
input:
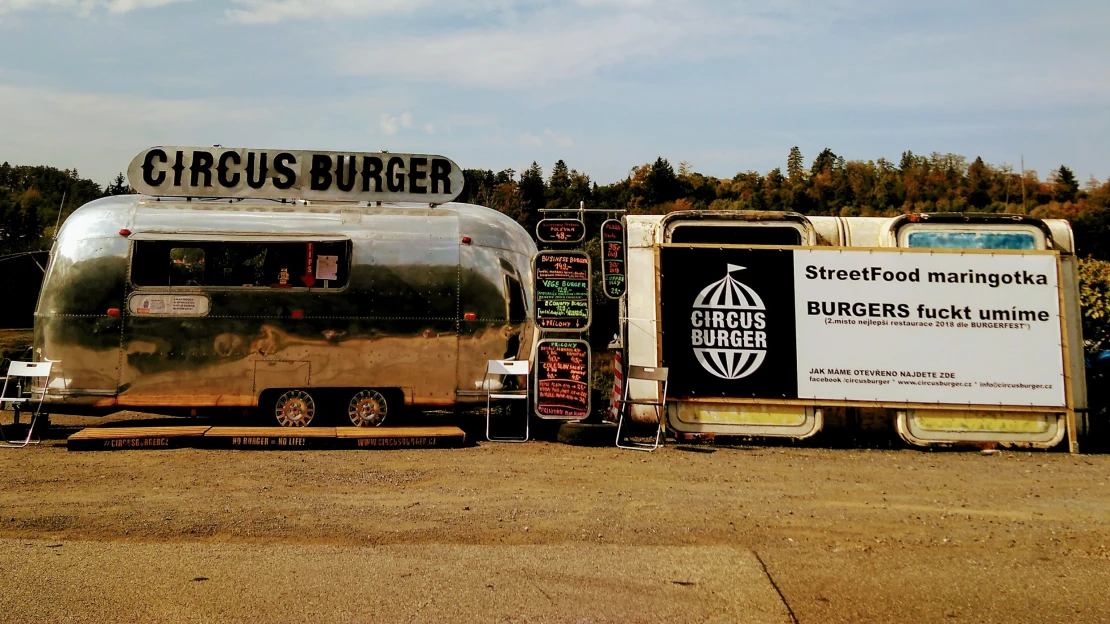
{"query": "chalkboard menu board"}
(563, 379)
(562, 291)
(560, 231)
(612, 259)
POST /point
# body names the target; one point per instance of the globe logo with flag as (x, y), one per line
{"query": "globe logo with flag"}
(728, 322)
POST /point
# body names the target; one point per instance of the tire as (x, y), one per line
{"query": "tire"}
(588, 434)
(294, 408)
(367, 408)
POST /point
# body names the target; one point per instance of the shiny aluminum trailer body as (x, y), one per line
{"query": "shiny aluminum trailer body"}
(432, 293)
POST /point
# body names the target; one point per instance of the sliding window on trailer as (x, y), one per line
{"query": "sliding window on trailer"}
(320, 264)
(978, 236)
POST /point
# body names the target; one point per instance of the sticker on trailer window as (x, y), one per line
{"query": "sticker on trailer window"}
(168, 305)
(327, 267)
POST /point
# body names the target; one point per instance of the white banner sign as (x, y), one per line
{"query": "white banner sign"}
(917, 327)
(894, 326)
(287, 174)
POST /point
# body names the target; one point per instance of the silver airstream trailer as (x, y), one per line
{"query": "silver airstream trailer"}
(181, 305)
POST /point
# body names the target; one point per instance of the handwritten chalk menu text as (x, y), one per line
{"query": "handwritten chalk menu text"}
(290, 174)
(562, 291)
(612, 259)
(563, 379)
(560, 231)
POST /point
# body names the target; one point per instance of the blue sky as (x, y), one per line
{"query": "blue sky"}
(606, 85)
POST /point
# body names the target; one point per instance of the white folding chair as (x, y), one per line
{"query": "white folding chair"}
(502, 369)
(21, 371)
(657, 374)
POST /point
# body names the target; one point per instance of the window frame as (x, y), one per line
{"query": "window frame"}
(184, 240)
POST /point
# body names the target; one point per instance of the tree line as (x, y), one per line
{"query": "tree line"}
(31, 198)
(829, 185)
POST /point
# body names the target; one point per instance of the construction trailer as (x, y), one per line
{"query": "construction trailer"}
(779, 324)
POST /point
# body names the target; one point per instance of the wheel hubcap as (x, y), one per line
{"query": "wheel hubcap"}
(295, 409)
(368, 408)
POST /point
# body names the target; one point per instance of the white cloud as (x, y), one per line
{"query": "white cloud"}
(100, 133)
(271, 11)
(529, 140)
(558, 139)
(84, 7)
(522, 57)
(389, 124)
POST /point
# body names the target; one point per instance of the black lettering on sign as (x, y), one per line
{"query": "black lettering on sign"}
(148, 167)
(347, 183)
(395, 180)
(282, 168)
(320, 174)
(222, 169)
(371, 170)
(613, 275)
(441, 172)
(563, 379)
(562, 290)
(202, 166)
(416, 174)
(299, 175)
(178, 167)
(253, 180)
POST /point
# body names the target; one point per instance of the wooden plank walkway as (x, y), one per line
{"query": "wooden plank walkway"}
(107, 438)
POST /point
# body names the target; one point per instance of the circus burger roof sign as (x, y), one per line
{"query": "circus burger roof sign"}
(289, 174)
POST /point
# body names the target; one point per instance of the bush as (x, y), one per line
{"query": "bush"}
(1094, 297)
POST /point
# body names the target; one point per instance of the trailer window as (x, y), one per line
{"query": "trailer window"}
(736, 234)
(186, 266)
(517, 310)
(941, 239)
(298, 264)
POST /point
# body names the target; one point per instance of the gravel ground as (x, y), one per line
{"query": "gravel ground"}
(845, 535)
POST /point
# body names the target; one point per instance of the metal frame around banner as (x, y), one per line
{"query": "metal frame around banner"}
(1069, 399)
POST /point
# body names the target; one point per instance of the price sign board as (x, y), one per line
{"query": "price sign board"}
(560, 231)
(612, 259)
(562, 291)
(563, 379)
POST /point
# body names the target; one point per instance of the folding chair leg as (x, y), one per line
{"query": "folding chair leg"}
(639, 446)
(491, 438)
(26, 441)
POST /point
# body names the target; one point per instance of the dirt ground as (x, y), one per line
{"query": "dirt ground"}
(548, 532)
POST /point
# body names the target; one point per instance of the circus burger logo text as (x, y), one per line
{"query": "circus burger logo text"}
(727, 328)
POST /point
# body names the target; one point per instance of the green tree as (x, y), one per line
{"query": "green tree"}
(1065, 185)
(795, 165)
(661, 183)
(118, 186)
(979, 184)
(533, 193)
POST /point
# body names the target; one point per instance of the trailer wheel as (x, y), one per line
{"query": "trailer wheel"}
(368, 408)
(294, 408)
